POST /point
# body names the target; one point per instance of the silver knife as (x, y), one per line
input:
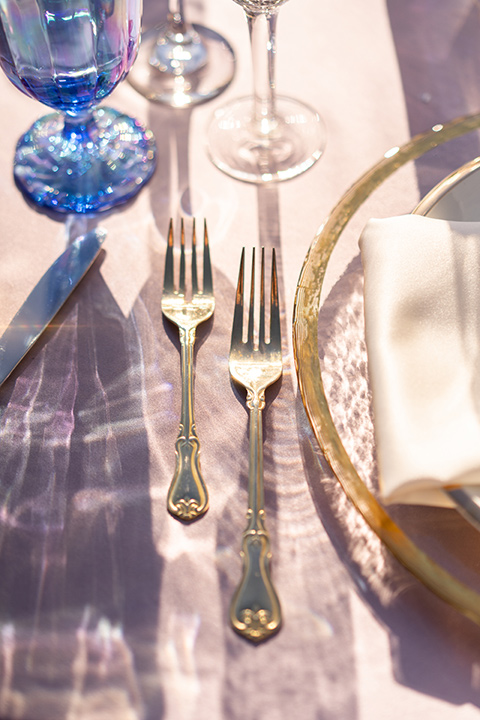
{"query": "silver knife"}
(467, 501)
(46, 299)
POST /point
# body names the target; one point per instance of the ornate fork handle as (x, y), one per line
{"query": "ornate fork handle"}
(187, 495)
(255, 610)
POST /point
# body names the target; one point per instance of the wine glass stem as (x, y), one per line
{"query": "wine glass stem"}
(262, 30)
(76, 125)
(176, 18)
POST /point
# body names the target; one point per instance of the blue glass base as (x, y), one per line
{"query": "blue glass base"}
(84, 166)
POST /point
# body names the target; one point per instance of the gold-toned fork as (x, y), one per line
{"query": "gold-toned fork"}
(187, 495)
(255, 609)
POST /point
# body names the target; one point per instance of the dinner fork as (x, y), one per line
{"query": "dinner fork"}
(255, 609)
(187, 496)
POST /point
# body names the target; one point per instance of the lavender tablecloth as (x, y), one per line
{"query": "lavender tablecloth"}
(110, 608)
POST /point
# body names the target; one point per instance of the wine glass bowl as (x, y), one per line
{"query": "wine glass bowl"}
(182, 64)
(69, 56)
(265, 137)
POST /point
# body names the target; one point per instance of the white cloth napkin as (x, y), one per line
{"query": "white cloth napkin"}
(422, 323)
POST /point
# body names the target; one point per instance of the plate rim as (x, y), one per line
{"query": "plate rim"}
(307, 363)
(432, 198)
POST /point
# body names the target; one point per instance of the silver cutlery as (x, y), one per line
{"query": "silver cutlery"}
(46, 299)
(187, 496)
(255, 364)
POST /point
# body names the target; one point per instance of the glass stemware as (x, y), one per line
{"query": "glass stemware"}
(265, 137)
(69, 55)
(182, 64)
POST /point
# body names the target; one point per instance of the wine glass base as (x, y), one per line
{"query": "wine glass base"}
(246, 150)
(180, 75)
(83, 173)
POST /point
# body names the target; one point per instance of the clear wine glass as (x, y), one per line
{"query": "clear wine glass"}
(182, 64)
(69, 55)
(265, 137)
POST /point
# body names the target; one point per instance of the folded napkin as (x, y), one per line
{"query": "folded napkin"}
(422, 324)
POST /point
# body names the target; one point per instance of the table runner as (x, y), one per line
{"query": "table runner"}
(110, 607)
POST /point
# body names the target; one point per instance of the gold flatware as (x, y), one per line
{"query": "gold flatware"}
(255, 610)
(187, 496)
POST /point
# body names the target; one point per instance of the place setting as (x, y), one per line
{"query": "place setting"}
(238, 361)
(90, 159)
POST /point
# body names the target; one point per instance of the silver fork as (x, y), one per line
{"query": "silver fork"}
(255, 610)
(187, 495)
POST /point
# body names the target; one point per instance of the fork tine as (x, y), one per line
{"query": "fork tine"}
(251, 311)
(261, 320)
(194, 260)
(207, 267)
(237, 326)
(275, 331)
(168, 275)
(181, 283)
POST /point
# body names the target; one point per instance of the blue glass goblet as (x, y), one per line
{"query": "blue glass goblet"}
(69, 55)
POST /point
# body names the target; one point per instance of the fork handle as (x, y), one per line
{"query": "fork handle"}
(187, 496)
(255, 609)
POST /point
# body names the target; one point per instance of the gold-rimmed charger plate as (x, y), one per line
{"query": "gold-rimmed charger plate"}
(437, 577)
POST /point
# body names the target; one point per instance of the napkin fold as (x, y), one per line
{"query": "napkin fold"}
(422, 325)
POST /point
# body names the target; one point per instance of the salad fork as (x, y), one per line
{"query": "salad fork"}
(255, 609)
(187, 496)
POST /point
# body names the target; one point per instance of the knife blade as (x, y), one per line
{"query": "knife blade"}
(46, 299)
